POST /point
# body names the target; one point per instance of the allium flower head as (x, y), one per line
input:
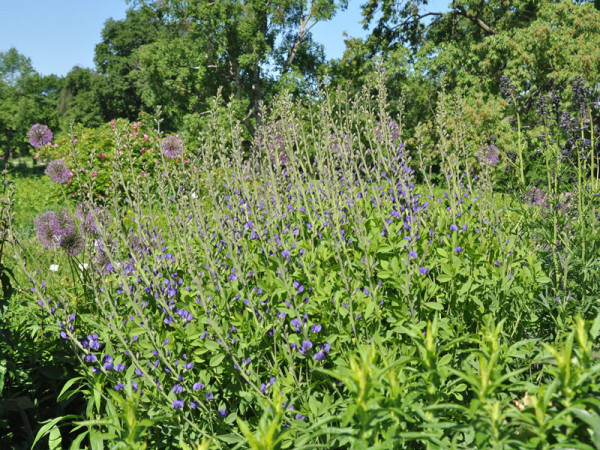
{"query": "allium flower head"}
(51, 227)
(172, 147)
(58, 171)
(39, 135)
(72, 244)
(488, 154)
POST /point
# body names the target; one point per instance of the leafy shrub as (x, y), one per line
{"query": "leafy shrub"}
(308, 292)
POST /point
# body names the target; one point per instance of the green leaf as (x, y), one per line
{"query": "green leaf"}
(55, 439)
(2, 374)
(216, 360)
(592, 420)
(434, 305)
(76, 444)
(595, 329)
(48, 426)
(64, 394)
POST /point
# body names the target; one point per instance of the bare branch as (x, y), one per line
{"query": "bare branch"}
(304, 29)
(474, 19)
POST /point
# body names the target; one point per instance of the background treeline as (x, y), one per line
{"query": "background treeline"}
(178, 55)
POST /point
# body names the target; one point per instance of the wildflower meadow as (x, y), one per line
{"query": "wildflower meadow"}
(316, 288)
(326, 273)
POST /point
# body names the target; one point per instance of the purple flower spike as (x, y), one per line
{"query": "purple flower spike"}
(58, 171)
(39, 135)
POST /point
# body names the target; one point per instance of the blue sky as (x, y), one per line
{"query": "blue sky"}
(60, 34)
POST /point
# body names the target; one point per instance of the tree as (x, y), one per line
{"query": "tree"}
(541, 45)
(245, 48)
(78, 101)
(116, 61)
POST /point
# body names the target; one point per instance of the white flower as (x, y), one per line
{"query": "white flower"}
(194, 195)
(54, 267)
(83, 266)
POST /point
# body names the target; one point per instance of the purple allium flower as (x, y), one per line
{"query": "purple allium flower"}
(488, 154)
(39, 135)
(423, 270)
(537, 197)
(58, 171)
(172, 147)
(72, 244)
(51, 227)
(178, 404)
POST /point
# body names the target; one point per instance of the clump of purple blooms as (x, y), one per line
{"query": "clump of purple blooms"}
(489, 155)
(172, 147)
(58, 229)
(39, 135)
(58, 171)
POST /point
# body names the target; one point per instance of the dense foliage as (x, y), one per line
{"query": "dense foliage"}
(264, 262)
